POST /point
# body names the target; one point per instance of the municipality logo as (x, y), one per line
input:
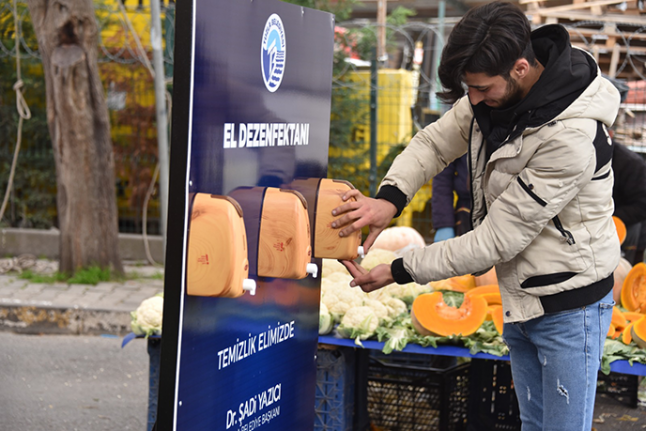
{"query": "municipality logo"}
(273, 53)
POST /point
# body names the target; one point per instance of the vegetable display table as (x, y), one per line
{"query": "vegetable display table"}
(623, 367)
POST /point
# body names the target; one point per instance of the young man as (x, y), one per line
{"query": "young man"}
(533, 126)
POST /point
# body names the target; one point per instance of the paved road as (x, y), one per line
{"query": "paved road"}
(72, 383)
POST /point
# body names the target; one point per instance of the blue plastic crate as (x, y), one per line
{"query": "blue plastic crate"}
(334, 402)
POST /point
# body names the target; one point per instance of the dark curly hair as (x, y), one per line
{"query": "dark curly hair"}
(488, 39)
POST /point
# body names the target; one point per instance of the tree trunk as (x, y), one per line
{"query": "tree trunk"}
(79, 127)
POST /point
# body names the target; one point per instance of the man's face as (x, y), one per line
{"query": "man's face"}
(494, 91)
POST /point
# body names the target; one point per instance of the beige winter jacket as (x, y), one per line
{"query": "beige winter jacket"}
(541, 206)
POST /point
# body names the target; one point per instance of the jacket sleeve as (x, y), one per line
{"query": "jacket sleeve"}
(561, 166)
(427, 154)
(442, 211)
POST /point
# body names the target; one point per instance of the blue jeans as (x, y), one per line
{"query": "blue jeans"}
(555, 360)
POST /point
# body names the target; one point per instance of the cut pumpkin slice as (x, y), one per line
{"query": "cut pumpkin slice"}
(432, 316)
(633, 291)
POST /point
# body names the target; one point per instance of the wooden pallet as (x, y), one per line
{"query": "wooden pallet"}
(613, 31)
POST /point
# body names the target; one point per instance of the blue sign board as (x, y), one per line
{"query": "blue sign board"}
(252, 92)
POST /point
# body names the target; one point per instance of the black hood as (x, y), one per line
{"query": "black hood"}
(568, 72)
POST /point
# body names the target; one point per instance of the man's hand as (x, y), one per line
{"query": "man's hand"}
(363, 211)
(376, 278)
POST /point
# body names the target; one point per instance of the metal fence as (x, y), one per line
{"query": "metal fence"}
(124, 60)
(377, 105)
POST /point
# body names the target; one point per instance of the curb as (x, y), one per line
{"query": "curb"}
(26, 318)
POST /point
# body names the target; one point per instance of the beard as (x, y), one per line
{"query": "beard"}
(513, 94)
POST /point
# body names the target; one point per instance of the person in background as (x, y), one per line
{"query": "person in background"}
(629, 195)
(533, 124)
(449, 219)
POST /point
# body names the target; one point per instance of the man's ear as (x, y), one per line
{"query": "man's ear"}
(521, 68)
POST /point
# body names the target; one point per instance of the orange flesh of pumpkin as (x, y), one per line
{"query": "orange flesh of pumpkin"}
(468, 281)
(633, 291)
(618, 318)
(481, 290)
(626, 335)
(611, 331)
(631, 316)
(432, 316)
(638, 332)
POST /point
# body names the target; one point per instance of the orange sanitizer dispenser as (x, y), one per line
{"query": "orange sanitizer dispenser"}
(326, 194)
(217, 262)
(284, 247)
(327, 242)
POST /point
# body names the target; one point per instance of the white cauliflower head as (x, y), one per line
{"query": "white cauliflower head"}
(147, 319)
(330, 266)
(380, 309)
(326, 323)
(395, 307)
(359, 323)
(377, 256)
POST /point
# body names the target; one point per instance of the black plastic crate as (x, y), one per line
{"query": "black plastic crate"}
(493, 404)
(405, 393)
(622, 387)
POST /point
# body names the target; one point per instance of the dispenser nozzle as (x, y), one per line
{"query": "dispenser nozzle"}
(249, 285)
(312, 269)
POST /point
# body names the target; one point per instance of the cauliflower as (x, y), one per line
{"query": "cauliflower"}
(377, 256)
(406, 292)
(359, 323)
(147, 319)
(339, 278)
(347, 299)
(326, 323)
(330, 266)
(395, 306)
(380, 309)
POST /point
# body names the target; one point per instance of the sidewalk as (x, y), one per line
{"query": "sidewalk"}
(62, 308)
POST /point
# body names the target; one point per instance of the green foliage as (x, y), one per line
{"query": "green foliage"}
(92, 275)
(33, 198)
(56, 277)
(366, 37)
(341, 8)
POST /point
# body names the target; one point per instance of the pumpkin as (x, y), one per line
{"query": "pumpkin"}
(611, 331)
(487, 278)
(618, 319)
(633, 291)
(631, 316)
(398, 237)
(626, 334)
(491, 294)
(620, 274)
(620, 226)
(462, 283)
(430, 315)
(638, 332)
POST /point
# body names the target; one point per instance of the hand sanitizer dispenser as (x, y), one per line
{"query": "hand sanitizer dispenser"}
(284, 249)
(217, 262)
(324, 195)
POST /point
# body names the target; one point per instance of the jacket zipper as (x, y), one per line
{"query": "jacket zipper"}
(566, 233)
(528, 189)
(470, 168)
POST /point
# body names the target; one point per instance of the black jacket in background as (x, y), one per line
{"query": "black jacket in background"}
(629, 190)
